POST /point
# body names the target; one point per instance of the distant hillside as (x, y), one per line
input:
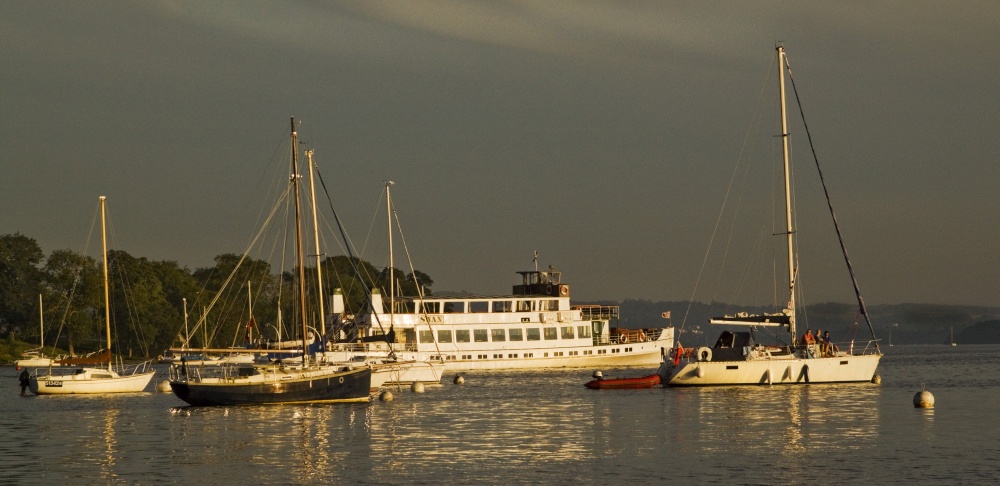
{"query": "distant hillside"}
(980, 333)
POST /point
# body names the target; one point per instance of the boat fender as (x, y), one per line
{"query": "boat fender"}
(642, 337)
(623, 338)
(704, 354)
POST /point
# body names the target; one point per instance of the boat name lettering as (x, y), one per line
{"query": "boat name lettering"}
(437, 319)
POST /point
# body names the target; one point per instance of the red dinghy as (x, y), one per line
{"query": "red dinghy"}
(624, 383)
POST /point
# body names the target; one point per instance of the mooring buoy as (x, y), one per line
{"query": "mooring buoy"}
(923, 399)
(459, 379)
(385, 396)
(417, 387)
(163, 386)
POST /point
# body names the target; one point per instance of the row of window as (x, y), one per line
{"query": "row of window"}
(501, 335)
(476, 306)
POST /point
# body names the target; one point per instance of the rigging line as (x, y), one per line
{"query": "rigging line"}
(225, 284)
(829, 204)
(355, 261)
(416, 282)
(76, 280)
(718, 220)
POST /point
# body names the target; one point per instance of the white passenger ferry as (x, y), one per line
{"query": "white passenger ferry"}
(535, 327)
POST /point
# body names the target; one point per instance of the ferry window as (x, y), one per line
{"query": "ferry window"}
(462, 336)
(567, 332)
(583, 331)
(533, 334)
(480, 335)
(501, 306)
(525, 305)
(548, 305)
(444, 336)
(499, 335)
(516, 334)
(431, 307)
(479, 306)
(426, 336)
(454, 307)
(551, 333)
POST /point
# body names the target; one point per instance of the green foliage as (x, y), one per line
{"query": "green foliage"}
(147, 298)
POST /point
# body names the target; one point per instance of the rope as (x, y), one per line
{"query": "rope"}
(829, 204)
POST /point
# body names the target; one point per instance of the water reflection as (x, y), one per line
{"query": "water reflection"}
(789, 420)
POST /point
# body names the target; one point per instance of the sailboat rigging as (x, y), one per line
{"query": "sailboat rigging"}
(737, 359)
(296, 381)
(94, 380)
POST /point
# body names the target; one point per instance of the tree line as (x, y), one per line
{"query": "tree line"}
(149, 299)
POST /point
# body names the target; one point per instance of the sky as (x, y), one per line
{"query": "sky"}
(603, 135)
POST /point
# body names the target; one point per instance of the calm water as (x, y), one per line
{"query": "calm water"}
(542, 427)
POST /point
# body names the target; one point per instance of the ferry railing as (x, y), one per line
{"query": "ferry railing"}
(597, 312)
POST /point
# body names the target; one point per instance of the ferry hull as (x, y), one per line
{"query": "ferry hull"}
(346, 386)
(789, 371)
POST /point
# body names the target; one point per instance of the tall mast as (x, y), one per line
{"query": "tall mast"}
(789, 230)
(41, 326)
(187, 334)
(319, 267)
(392, 278)
(298, 242)
(107, 299)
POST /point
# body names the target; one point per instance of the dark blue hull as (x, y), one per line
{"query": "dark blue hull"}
(341, 386)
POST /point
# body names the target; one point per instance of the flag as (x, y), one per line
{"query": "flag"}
(666, 315)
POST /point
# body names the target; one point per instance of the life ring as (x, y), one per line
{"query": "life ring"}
(548, 289)
(642, 337)
(563, 290)
(704, 354)
(623, 338)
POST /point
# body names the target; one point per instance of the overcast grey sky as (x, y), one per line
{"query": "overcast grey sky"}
(601, 134)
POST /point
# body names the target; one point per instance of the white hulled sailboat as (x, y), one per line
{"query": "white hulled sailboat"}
(94, 380)
(736, 359)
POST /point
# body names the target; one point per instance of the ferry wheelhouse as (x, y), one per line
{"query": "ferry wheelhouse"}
(534, 327)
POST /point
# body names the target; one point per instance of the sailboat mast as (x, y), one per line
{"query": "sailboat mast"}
(392, 278)
(298, 242)
(107, 298)
(319, 267)
(789, 230)
(41, 326)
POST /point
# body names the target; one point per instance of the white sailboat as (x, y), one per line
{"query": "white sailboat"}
(35, 358)
(389, 367)
(94, 380)
(736, 359)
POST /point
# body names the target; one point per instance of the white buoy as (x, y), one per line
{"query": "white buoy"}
(163, 386)
(923, 399)
(701, 372)
(598, 374)
(385, 396)
(459, 379)
(417, 387)
(877, 379)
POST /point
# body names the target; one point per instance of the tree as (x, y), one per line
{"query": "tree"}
(19, 281)
(74, 286)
